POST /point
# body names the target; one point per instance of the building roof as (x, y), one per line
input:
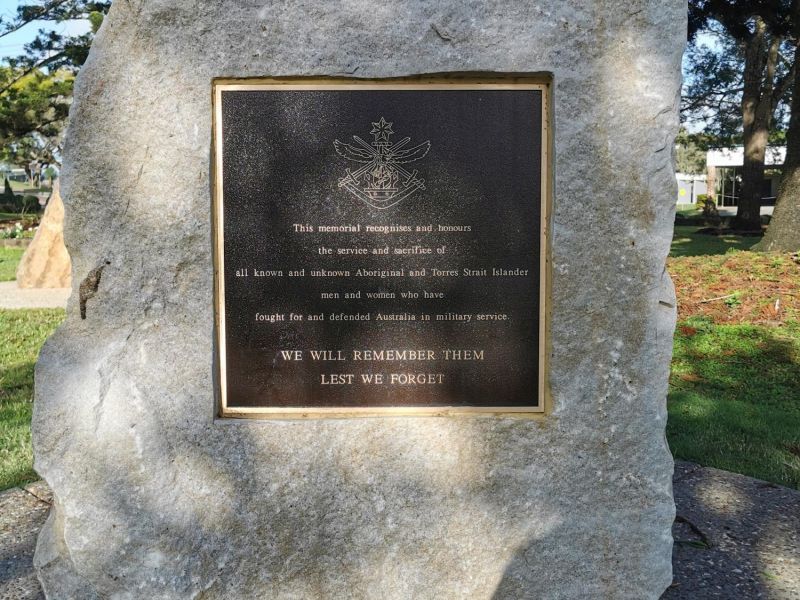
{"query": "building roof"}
(734, 157)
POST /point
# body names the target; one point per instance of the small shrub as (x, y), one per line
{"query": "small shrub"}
(14, 232)
(27, 203)
(7, 198)
(733, 301)
(31, 221)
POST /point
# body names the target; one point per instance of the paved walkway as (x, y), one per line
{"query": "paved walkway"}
(13, 297)
(22, 514)
(735, 538)
(730, 211)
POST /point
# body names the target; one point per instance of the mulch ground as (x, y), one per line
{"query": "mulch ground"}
(738, 287)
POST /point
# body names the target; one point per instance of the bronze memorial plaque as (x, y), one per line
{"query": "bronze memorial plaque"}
(380, 246)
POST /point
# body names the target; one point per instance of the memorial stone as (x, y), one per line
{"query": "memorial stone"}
(372, 304)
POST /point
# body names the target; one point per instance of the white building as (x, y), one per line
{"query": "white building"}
(690, 187)
(12, 173)
(725, 174)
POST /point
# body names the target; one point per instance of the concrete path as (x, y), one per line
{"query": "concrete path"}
(730, 211)
(13, 297)
(735, 538)
(22, 514)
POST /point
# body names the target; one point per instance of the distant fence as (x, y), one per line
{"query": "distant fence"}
(731, 200)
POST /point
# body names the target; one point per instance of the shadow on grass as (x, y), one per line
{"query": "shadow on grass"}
(22, 333)
(734, 399)
(16, 405)
(687, 241)
(9, 260)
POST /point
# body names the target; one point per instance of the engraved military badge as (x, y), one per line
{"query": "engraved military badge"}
(382, 181)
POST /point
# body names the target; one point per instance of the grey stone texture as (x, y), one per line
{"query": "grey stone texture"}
(735, 537)
(154, 498)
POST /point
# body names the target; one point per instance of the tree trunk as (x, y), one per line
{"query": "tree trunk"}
(757, 116)
(783, 233)
(748, 214)
(711, 183)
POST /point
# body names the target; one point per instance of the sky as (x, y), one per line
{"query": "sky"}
(13, 44)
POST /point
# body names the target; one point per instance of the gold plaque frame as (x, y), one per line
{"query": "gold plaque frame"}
(470, 81)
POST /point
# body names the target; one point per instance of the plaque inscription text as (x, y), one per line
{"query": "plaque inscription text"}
(380, 247)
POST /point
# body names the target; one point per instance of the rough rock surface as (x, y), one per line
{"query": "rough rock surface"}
(46, 263)
(735, 537)
(153, 497)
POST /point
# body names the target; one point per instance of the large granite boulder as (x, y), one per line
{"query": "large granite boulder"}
(156, 498)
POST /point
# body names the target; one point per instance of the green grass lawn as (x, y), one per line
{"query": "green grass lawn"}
(734, 399)
(22, 333)
(9, 259)
(688, 211)
(687, 242)
(15, 216)
(23, 187)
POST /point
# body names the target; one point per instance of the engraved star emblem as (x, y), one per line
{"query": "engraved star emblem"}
(382, 130)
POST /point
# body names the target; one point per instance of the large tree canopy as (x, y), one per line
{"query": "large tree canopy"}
(690, 153)
(36, 86)
(783, 232)
(33, 113)
(714, 83)
(739, 85)
(49, 48)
